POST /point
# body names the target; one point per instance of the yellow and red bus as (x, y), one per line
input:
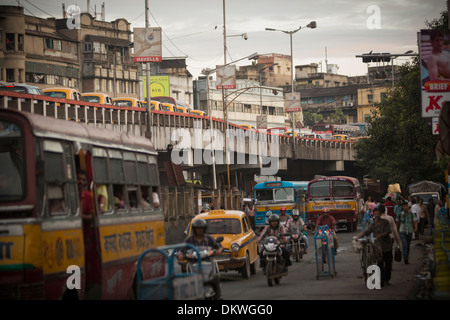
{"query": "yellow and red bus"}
(42, 233)
(339, 193)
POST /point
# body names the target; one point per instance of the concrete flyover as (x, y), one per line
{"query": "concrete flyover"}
(187, 139)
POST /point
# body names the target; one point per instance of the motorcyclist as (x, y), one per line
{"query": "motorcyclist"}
(327, 219)
(200, 238)
(283, 216)
(277, 230)
(296, 221)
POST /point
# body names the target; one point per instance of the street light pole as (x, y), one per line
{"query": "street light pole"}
(208, 72)
(311, 25)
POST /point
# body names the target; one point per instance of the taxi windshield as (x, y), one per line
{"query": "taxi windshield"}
(223, 226)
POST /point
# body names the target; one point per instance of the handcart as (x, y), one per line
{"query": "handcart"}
(324, 248)
(172, 283)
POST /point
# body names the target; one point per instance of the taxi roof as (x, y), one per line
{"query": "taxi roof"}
(220, 212)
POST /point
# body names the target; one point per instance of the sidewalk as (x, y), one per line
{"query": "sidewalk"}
(433, 277)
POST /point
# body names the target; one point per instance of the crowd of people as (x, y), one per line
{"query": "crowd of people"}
(396, 224)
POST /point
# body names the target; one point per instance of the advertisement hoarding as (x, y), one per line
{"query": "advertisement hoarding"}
(147, 45)
(434, 71)
(226, 77)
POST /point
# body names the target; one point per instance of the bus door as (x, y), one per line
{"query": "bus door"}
(90, 228)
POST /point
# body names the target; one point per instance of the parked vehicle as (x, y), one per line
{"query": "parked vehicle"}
(198, 112)
(180, 109)
(342, 137)
(314, 136)
(165, 106)
(127, 102)
(63, 93)
(427, 190)
(22, 88)
(97, 97)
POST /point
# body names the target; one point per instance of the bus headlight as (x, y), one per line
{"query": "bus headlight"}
(235, 247)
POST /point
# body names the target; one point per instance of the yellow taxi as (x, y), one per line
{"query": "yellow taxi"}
(198, 112)
(63, 93)
(180, 109)
(97, 97)
(127, 102)
(342, 137)
(240, 241)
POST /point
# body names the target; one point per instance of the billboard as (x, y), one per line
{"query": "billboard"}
(292, 102)
(147, 45)
(434, 48)
(159, 86)
(226, 77)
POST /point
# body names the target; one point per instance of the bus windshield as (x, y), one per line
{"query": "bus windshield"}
(11, 162)
(278, 194)
(320, 189)
(342, 189)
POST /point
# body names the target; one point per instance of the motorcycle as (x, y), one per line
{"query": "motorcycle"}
(209, 267)
(275, 264)
(296, 244)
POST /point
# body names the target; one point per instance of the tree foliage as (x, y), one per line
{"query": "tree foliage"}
(401, 147)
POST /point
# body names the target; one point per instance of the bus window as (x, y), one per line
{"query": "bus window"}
(11, 164)
(55, 176)
(320, 189)
(101, 178)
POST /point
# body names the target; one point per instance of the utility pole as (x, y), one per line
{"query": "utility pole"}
(147, 71)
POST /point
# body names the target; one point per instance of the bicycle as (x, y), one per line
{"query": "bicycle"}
(367, 258)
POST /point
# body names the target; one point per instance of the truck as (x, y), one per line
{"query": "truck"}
(426, 190)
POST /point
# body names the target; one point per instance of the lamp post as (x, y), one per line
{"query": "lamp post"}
(311, 25)
(208, 72)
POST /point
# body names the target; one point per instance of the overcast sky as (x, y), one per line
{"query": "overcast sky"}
(194, 28)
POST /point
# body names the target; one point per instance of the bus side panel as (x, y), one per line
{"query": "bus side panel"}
(61, 247)
(121, 244)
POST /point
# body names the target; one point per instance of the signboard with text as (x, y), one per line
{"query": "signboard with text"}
(159, 86)
(147, 45)
(292, 102)
(435, 71)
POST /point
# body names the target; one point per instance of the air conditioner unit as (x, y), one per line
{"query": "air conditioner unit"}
(350, 104)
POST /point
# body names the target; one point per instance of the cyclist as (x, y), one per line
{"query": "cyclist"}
(381, 229)
(296, 221)
(327, 219)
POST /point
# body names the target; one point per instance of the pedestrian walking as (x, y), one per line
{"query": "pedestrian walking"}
(415, 210)
(251, 215)
(381, 230)
(406, 225)
(389, 205)
(423, 216)
(395, 236)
